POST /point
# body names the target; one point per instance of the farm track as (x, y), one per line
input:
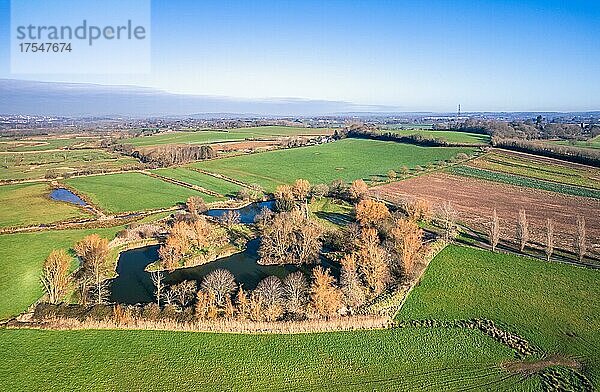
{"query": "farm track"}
(183, 184)
(115, 220)
(221, 177)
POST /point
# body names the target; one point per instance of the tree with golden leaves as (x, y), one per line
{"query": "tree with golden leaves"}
(300, 189)
(93, 252)
(371, 213)
(358, 190)
(200, 231)
(242, 304)
(284, 198)
(55, 275)
(407, 240)
(326, 297)
(419, 210)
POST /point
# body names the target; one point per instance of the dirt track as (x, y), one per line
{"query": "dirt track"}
(475, 199)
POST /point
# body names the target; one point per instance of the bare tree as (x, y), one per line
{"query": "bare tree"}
(549, 238)
(290, 238)
(295, 292)
(522, 230)
(195, 205)
(494, 231)
(270, 291)
(447, 216)
(230, 218)
(93, 252)
(159, 286)
(580, 243)
(319, 191)
(184, 292)
(392, 175)
(221, 283)
(351, 284)
(373, 264)
(55, 275)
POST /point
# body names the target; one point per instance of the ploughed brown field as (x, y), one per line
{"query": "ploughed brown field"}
(475, 199)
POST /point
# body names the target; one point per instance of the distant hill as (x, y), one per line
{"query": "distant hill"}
(80, 99)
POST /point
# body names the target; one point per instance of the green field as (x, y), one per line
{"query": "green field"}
(448, 136)
(30, 204)
(400, 359)
(517, 180)
(348, 159)
(33, 165)
(206, 136)
(21, 259)
(554, 306)
(40, 144)
(131, 192)
(541, 169)
(200, 179)
(591, 143)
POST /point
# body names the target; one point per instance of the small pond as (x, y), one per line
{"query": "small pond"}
(247, 214)
(134, 285)
(62, 194)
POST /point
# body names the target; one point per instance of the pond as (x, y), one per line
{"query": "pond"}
(134, 285)
(62, 194)
(247, 214)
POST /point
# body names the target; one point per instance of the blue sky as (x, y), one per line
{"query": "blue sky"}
(413, 55)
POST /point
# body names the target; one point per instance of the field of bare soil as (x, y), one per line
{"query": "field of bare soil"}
(475, 199)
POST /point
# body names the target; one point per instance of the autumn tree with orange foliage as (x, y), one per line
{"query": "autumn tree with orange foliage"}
(407, 241)
(419, 210)
(371, 213)
(358, 190)
(284, 198)
(325, 297)
(300, 189)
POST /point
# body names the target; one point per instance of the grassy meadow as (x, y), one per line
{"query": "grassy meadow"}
(347, 159)
(30, 204)
(591, 143)
(131, 192)
(448, 136)
(193, 177)
(21, 258)
(41, 144)
(400, 359)
(37, 164)
(554, 306)
(208, 136)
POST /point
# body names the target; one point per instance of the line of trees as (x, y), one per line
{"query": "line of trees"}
(522, 237)
(166, 155)
(568, 153)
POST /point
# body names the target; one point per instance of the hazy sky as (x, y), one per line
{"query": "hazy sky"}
(414, 55)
